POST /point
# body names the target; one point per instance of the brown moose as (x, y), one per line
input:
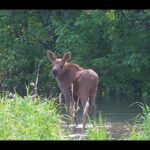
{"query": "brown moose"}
(75, 83)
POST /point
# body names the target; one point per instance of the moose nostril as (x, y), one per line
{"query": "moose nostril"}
(55, 73)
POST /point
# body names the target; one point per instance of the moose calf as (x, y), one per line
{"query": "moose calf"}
(75, 83)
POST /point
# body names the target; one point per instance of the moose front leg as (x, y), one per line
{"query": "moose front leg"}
(69, 103)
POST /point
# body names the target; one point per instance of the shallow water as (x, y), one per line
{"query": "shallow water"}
(117, 112)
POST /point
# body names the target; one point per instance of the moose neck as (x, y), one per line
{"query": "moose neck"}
(69, 72)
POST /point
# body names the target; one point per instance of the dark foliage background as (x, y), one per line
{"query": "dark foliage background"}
(115, 43)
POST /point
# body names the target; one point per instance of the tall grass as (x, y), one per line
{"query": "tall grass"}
(29, 119)
(141, 128)
(98, 130)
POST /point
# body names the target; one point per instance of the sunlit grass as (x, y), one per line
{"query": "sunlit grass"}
(29, 119)
(141, 128)
(98, 130)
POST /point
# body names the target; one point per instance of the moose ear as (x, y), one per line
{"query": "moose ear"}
(66, 56)
(51, 56)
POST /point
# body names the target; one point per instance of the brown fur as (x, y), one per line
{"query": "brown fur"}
(75, 83)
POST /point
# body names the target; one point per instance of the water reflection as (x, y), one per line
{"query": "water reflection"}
(118, 113)
(118, 109)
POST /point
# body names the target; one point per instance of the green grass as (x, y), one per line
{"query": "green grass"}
(29, 119)
(98, 130)
(141, 128)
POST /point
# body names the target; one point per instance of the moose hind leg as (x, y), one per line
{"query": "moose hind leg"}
(85, 104)
(93, 104)
(93, 108)
(76, 101)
